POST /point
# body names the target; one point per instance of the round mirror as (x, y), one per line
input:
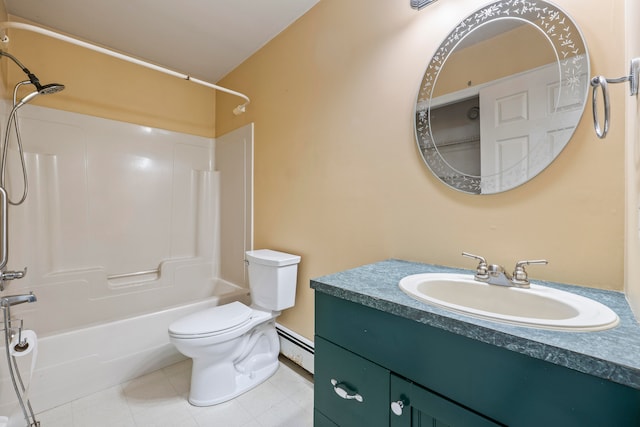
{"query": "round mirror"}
(502, 96)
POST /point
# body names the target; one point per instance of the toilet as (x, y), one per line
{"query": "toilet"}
(235, 347)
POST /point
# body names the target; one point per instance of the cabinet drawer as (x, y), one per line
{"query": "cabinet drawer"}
(349, 390)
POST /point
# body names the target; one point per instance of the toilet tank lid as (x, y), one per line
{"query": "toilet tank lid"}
(269, 257)
(214, 319)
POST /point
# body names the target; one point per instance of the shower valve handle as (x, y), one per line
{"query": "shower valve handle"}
(11, 275)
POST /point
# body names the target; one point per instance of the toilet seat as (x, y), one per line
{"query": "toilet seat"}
(213, 321)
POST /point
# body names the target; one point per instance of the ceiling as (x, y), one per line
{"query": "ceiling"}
(203, 38)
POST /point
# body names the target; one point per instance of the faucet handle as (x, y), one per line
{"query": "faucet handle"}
(520, 277)
(12, 275)
(482, 272)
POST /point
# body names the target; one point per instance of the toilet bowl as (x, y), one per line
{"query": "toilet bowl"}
(235, 347)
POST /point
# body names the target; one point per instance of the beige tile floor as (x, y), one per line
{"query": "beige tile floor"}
(159, 399)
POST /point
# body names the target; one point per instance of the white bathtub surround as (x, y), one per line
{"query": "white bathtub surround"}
(107, 200)
(234, 163)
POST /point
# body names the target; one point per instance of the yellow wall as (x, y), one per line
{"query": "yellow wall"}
(339, 180)
(632, 157)
(99, 85)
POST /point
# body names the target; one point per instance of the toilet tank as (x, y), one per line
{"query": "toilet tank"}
(272, 278)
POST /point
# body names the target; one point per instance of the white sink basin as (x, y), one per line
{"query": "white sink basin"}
(538, 307)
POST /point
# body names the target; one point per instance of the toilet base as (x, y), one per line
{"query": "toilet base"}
(244, 383)
(254, 361)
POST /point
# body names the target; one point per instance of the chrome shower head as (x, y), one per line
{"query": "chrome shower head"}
(50, 88)
(41, 90)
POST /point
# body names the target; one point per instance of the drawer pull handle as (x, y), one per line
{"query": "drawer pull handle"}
(344, 392)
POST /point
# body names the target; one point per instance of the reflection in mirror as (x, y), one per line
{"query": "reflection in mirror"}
(456, 127)
(502, 96)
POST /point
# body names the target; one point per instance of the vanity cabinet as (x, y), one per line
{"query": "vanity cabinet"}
(368, 359)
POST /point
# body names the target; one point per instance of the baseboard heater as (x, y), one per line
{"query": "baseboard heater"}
(296, 348)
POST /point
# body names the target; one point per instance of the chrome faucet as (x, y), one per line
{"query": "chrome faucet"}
(495, 274)
(12, 300)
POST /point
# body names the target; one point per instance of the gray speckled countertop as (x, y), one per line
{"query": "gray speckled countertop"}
(613, 354)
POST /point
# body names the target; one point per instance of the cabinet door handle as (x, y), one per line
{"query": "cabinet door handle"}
(344, 392)
(398, 406)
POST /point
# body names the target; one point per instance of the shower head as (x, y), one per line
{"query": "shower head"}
(46, 89)
(50, 88)
(42, 90)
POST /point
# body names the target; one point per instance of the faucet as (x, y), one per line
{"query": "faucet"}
(11, 300)
(495, 274)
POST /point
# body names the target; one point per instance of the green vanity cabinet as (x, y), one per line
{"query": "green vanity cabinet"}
(446, 379)
(352, 391)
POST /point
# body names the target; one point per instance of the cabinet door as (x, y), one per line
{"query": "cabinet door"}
(348, 389)
(412, 405)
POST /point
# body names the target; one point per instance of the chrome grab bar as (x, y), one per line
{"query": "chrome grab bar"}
(4, 243)
(603, 82)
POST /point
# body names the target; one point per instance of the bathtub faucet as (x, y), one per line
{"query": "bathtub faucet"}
(11, 300)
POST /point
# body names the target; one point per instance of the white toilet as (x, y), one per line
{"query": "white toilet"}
(234, 347)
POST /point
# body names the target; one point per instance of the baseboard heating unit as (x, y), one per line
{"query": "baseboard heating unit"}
(296, 347)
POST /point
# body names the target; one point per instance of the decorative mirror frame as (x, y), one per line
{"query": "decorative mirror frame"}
(560, 31)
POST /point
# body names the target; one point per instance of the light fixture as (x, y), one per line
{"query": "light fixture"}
(419, 4)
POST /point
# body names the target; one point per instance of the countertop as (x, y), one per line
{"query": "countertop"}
(613, 354)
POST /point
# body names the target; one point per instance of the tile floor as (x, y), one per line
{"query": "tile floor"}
(159, 399)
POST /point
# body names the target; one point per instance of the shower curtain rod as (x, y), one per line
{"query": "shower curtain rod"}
(21, 26)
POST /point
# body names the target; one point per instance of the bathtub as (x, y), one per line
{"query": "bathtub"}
(80, 362)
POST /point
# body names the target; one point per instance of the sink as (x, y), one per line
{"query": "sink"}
(538, 306)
